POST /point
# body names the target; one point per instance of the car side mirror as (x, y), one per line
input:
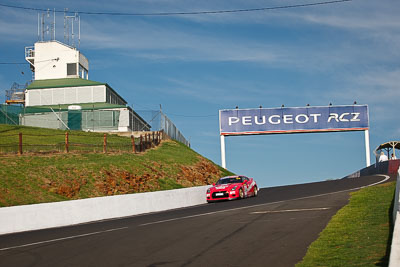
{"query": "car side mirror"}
(213, 184)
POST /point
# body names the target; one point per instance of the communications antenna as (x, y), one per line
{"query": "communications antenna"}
(69, 32)
(46, 26)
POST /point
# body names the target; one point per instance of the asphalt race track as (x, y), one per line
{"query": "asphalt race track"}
(273, 229)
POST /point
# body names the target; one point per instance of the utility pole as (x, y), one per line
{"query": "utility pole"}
(160, 117)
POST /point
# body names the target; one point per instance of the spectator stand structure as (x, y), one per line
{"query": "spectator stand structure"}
(389, 166)
(389, 147)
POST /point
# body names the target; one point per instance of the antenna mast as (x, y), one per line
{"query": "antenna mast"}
(54, 24)
(65, 26)
(69, 22)
(38, 27)
(46, 30)
(47, 27)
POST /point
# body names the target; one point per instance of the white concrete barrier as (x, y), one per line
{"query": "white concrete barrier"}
(56, 214)
(395, 249)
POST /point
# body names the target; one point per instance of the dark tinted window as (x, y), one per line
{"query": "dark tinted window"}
(230, 180)
(71, 69)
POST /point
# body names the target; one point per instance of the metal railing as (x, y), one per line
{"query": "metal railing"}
(29, 51)
(160, 122)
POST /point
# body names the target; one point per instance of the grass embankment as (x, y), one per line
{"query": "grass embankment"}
(359, 234)
(33, 178)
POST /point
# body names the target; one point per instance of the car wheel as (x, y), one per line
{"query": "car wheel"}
(255, 191)
(241, 194)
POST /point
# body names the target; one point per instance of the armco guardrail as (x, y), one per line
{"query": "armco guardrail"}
(56, 214)
(395, 250)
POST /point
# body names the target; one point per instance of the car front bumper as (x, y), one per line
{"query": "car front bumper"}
(222, 195)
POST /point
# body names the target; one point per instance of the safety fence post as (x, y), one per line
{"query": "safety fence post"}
(105, 143)
(20, 144)
(133, 144)
(66, 142)
(141, 143)
(153, 143)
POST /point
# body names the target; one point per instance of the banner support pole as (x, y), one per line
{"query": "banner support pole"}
(223, 162)
(367, 154)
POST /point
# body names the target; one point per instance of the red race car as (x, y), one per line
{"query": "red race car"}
(232, 187)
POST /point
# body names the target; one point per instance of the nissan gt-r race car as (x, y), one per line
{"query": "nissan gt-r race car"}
(232, 187)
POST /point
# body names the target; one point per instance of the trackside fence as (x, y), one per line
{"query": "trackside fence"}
(74, 142)
(89, 119)
(395, 249)
(160, 122)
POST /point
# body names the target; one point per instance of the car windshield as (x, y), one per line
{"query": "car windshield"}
(229, 180)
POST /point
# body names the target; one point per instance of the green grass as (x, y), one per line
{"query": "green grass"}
(168, 183)
(37, 178)
(359, 234)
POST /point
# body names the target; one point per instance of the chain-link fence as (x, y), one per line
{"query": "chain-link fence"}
(91, 119)
(87, 118)
(10, 114)
(160, 122)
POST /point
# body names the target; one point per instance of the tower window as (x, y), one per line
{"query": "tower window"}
(71, 68)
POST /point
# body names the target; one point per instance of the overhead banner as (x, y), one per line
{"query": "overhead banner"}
(293, 120)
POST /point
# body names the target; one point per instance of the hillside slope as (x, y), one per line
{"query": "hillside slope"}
(38, 178)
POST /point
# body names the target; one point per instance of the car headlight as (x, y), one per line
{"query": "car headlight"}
(234, 188)
(208, 190)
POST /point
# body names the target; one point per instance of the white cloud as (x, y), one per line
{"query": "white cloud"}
(211, 90)
(352, 21)
(20, 29)
(380, 89)
(379, 86)
(175, 40)
(146, 40)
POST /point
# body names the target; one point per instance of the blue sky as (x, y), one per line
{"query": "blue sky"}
(195, 65)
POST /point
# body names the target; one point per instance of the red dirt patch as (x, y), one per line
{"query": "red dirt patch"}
(124, 182)
(204, 172)
(113, 181)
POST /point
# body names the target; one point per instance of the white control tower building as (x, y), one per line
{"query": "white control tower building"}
(55, 60)
(61, 95)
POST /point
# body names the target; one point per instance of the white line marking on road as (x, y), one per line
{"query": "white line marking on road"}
(282, 211)
(63, 238)
(264, 204)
